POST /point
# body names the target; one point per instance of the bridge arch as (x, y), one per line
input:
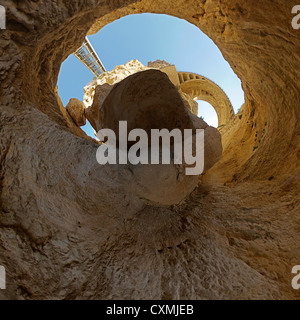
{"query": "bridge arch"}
(201, 88)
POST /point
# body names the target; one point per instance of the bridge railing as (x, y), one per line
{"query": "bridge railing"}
(88, 56)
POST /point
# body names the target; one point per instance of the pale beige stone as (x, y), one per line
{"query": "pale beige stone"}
(168, 69)
(76, 110)
(92, 112)
(190, 103)
(121, 72)
(172, 73)
(70, 229)
(112, 77)
(194, 86)
(148, 100)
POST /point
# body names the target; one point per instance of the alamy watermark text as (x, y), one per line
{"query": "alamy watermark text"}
(296, 19)
(296, 279)
(187, 148)
(2, 278)
(2, 17)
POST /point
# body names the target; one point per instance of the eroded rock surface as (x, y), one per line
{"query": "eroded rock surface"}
(148, 100)
(70, 230)
(112, 77)
(76, 110)
(119, 73)
(93, 111)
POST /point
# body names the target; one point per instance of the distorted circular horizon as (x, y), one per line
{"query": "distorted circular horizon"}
(149, 37)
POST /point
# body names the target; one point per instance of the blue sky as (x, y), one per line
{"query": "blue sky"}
(148, 37)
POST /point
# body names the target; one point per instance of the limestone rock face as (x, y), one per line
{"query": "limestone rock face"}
(120, 72)
(148, 100)
(163, 185)
(71, 229)
(93, 112)
(112, 77)
(76, 110)
(159, 64)
(168, 69)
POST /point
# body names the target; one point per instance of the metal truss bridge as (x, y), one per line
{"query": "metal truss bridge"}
(88, 56)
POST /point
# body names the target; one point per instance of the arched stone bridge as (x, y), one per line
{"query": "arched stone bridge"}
(201, 88)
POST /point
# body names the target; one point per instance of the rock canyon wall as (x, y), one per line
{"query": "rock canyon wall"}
(235, 237)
